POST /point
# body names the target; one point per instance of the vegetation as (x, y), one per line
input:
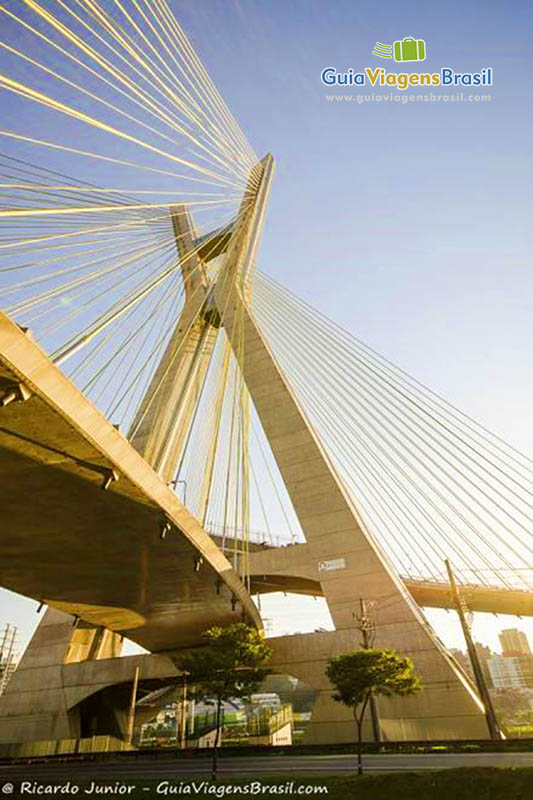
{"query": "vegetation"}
(513, 712)
(481, 783)
(300, 696)
(361, 674)
(232, 665)
(519, 731)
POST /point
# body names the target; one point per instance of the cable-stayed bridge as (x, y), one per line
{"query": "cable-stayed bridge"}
(155, 386)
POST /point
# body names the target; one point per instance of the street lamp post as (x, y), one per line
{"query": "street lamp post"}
(133, 701)
(460, 607)
(181, 717)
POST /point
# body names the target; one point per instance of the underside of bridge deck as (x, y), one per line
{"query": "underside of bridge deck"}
(95, 553)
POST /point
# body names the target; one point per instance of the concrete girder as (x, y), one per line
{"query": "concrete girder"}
(98, 554)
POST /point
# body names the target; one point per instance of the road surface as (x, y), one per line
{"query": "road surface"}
(306, 766)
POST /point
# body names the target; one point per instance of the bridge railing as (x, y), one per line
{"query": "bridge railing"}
(231, 535)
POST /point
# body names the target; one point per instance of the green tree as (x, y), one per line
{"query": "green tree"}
(361, 674)
(233, 664)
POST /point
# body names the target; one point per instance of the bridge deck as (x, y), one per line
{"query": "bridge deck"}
(490, 599)
(428, 594)
(291, 569)
(90, 552)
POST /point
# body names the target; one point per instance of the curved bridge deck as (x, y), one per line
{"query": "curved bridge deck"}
(291, 569)
(92, 552)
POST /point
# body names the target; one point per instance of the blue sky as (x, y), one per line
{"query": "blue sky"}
(407, 224)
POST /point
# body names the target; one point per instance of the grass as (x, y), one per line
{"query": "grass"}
(478, 783)
(489, 783)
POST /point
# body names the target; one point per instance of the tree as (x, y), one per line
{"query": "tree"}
(361, 674)
(233, 664)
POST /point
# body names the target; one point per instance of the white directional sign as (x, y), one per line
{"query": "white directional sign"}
(334, 563)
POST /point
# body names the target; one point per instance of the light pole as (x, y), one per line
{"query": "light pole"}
(181, 715)
(174, 485)
(133, 701)
(460, 607)
(183, 737)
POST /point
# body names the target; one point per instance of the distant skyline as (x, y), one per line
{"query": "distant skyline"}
(409, 225)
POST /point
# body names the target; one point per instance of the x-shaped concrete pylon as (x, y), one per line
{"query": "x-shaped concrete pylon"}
(343, 555)
(164, 416)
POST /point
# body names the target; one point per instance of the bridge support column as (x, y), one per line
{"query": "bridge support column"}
(36, 705)
(439, 712)
(445, 709)
(346, 560)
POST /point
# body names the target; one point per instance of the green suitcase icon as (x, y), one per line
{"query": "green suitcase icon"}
(410, 49)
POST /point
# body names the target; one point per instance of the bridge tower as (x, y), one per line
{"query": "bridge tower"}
(339, 554)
